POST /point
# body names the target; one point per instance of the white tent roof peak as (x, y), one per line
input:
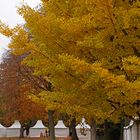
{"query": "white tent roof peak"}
(83, 124)
(83, 120)
(39, 124)
(130, 125)
(60, 124)
(16, 124)
(1, 126)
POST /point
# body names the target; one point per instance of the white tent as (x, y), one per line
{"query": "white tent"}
(61, 130)
(2, 131)
(83, 130)
(14, 129)
(132, 131)
(37, 129)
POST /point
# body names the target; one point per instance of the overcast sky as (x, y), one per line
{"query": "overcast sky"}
(8, 15)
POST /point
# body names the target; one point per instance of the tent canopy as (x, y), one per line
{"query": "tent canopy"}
(60, 124)
(83, 124)
(130, 124)
(16, 124)
(1, 126)
(39, 124)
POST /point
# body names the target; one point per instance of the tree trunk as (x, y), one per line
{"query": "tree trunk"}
(73, 130)
(93, 129)
(121, 131)
(21, 132)
(106, 131)
(51, 125)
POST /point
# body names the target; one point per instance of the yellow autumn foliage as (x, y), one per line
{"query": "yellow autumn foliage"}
(89, 50)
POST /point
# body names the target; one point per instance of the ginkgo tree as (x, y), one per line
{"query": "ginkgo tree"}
(89, 51)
